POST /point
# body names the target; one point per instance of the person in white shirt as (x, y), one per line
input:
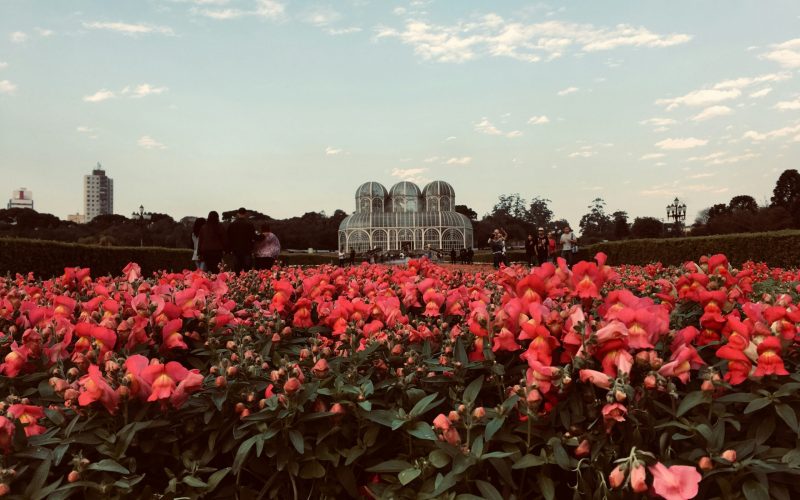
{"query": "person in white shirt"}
(568, 242)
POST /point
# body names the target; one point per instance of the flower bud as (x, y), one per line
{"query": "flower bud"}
(638, 477)
(220, 381)
(705, 463)
(291, 386)
(478, 413)
(650, 382)
(583, 449)
(617, 477)
(729, 455)
(707, 386)
(73, 476)
(453, 416)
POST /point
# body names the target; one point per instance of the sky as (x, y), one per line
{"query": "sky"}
(286, 107)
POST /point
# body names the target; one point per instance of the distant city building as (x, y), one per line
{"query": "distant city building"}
(76, 218)
(405, 219)
(98, 194)
(21, 198)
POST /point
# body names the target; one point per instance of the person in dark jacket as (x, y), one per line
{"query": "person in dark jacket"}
(212, 243)
(529, 249)
(541, 247)
(241, 238)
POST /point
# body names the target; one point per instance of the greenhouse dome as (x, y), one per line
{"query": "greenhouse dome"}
(405, 219)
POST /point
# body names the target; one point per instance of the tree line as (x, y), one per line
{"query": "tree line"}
(517, 215)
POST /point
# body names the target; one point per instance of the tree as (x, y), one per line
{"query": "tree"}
(511, 214)
(512, 205)
(744, 203)
(596, 223)
(787, 193)
(621, 227)
(647, 227)
(467, 212)
(539, 213)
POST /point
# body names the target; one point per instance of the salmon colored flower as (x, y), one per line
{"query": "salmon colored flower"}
(163, 379)
(95, 388)
(192, 383)
(171, 335)
(638, 478)
(769, 358)
(505, 341)
(613, 413)
(6, 434)
(14, 361)
(132, 272)
(28, 415)
(597, 378)
(678, 482)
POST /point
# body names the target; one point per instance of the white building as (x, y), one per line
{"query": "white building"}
(77, 218)
(21, 198)
(98, 194)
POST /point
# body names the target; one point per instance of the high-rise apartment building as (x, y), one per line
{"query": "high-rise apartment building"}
(98, 194)
(21, 198)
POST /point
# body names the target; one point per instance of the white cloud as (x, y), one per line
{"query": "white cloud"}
(513, 134)
(146, 89)
(451, 138)
(266, 9)
(485, 127)
(270, 9)
(703, 175)
(89, 132)
(410, 174)
(538, 120)
(6, 87)
(331, 151)
(567, 91)
(343, 31)
(431, 159)
(100, 95)
(722, 91)
(464, 160)
(652, 156)
(773, 134)
(221, 14)
(723, 158)
(698, 98)
(491, 35)
(658, 122)
(786, 54)
(712, 112)
(788, 105)
(129, 28)
(681, 143)
(3, 65)
(148, 142)
(321, 16)
(761, 93)
(43, 32)
(583, 154)
(18, 37)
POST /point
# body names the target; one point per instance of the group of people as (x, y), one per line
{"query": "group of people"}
(538, 249)
(249, 248)
(465, 256)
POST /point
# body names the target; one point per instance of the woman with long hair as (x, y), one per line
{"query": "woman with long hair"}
(198, 224)
(212, 244)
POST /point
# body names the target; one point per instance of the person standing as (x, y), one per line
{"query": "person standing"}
(241, 237)
(453, 256)
(541, 247)
(568, 241)
(352, 256)
(268, 247)
(341, 258)
(198, 224)
(529, 249)
(551, 247)
(497, 243)
(211, 243)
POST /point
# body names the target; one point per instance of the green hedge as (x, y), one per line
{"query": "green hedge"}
(778, 249)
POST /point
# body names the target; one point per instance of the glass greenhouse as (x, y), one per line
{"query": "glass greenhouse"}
(405, 219)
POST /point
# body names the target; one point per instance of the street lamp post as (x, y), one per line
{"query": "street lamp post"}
(676, 211)
(143, 218)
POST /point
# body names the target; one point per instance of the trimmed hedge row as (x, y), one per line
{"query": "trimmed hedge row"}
(777, 249)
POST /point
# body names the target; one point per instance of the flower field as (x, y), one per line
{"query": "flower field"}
(416, 381)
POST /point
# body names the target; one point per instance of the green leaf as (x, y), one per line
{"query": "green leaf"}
(312, 470)
(297, 441)
(488, 491)
(194, 482)
(692, 400)
(546, 486)
(54, 416)
(787, 389)
(366, 405)
(438, 458)
(242, 452)
(740, 397)
(472, 390)
(424, 404)
(756, 405)
(492, 427)
(529, 461)
(38, 479)
(408, 475)
(390, 466)
(753, 490)
(446, 483)
(788, 415)
(216, 478)
(108, 465)
(477, 446)
(383, 417)
(421, 430)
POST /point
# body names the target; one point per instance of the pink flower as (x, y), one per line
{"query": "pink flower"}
(678, 482)
(28, 415)
(6, 434)
(95, 388)
(192, 383)
(597, 378)
(132, 272)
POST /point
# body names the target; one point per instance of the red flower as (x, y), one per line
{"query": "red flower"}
(28, 415)
(95, 388)
(171, 335)
(769, 358)
(599, 379)
(505, 341)
(192, 383)
(612, 413)
(163, 379)
(135, 365)
(678, 482)
(14, 360)
(6, 434)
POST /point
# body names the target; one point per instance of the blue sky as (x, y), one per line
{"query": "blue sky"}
(286, 107)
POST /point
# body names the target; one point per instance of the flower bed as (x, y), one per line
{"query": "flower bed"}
(419, 381)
